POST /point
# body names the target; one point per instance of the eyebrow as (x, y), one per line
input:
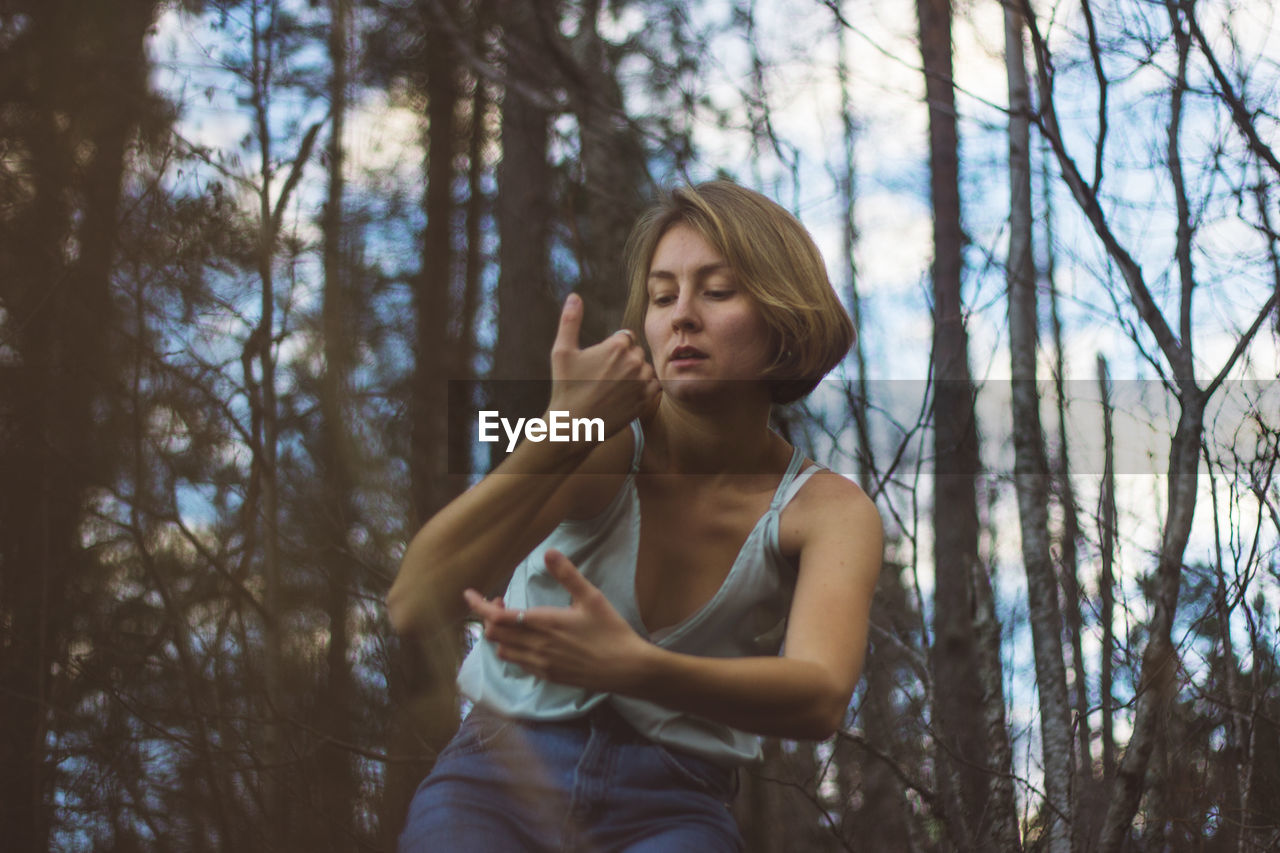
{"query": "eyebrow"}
(700, 272)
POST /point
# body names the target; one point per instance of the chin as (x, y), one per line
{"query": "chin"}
(698, 391)
(687, 389)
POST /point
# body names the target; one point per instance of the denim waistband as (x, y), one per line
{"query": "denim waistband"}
(603, 717)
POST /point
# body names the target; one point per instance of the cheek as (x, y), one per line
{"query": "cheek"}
(652, 330)
(754, 335)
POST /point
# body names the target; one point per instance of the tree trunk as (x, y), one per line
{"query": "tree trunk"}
(334, 826)
(999, 830)
(1031, 469)
(778, 809)
(1106, 578)
(1073, 594)
(879, 820)
(847, 183)
(421, 680)
(433, 285)
(1157, 681)
(527, 300)
(259, 352)
(462, 371)
(960, 702)
(1235, 763)
(71, 127)
(873, 807)
(610, 195)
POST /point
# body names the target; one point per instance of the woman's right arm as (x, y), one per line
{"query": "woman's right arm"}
(477, 540)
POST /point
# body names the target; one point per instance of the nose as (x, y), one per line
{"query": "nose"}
(684, 316)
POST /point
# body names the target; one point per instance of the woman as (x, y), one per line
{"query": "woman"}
(654, 577)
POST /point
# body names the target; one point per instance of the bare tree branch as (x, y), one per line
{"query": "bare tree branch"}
(1095, 52)
(1240, 115)
(1047, 120)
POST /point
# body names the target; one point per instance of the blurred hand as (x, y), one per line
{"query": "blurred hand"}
(611, 380)
(587, 644)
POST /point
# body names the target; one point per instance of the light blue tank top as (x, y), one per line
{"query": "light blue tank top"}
(746, 617)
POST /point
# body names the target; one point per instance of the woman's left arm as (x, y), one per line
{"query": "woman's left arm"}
(801, 694)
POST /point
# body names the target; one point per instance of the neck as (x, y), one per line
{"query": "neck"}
(733, 437)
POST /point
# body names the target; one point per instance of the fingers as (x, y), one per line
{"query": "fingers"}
(633, 366)
(498, 617)
(483, 607)
(530, 662)
(564, 571)
(570, 325)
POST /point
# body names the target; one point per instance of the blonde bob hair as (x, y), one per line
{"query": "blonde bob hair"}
(773, 259)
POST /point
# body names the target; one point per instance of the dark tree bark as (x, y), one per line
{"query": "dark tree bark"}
(1106, 579)
(527, 298)
(434, 283)
(966, 689)
(462, 371)
(424, 700)
(608, 194)
(778, 808)
(333, 827)
(880, 821)
(69, 128)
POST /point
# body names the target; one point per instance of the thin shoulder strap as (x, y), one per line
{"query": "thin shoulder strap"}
(797, 484)
(779, 496)
(638, 433)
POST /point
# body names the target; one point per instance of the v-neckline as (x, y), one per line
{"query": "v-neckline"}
(666, 634)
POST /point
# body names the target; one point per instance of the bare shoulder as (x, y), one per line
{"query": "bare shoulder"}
(831, 510)
(839, 543)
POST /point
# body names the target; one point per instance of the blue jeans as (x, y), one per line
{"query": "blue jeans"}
(593, 785)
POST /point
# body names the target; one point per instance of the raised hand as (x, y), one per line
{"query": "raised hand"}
(611, 380)
(587, 644)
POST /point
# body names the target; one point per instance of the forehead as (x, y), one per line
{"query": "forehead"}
(682, 247)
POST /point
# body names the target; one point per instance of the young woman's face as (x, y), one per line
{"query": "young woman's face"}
(703, 329)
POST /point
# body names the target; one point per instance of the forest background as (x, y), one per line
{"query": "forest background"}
(250, 248)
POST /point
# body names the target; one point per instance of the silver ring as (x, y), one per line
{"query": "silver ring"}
(519, 617)
(630, 335)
